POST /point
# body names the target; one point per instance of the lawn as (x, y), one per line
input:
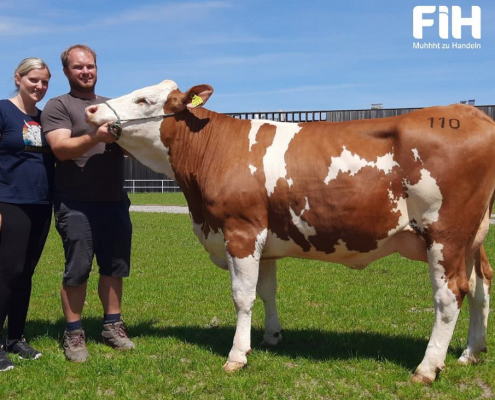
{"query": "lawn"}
(348, 334)
(160, 199)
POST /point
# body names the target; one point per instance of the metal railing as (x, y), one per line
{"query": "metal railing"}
(335, 115)
(283, 116)
(149, 185)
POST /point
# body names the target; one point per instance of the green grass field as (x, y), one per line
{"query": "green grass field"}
(161, 199)
(348, 334)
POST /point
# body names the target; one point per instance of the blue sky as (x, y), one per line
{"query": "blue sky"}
(258, 55)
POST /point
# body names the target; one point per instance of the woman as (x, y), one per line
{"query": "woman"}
(26, 180)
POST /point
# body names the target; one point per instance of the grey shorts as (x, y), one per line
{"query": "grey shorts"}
(87, 229)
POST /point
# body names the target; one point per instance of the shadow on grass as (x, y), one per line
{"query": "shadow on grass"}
(312, 344)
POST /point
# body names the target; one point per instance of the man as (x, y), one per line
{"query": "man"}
(91, 207)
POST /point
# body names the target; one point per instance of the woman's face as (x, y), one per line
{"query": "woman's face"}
(33, 85)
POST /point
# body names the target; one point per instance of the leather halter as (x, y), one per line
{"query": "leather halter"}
(115, 128)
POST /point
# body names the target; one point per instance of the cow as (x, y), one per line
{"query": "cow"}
(420, 184)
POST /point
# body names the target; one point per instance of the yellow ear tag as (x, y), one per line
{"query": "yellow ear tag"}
(196, 100)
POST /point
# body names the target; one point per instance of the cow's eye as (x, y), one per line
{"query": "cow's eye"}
(143, 101)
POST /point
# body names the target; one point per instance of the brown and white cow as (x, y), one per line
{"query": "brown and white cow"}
(419, 184)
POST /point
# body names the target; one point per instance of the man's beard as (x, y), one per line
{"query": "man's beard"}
(75, 85)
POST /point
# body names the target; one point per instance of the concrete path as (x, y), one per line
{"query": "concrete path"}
(161, 209)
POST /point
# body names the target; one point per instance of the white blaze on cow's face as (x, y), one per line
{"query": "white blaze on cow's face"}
(141, 137)
(142, 103)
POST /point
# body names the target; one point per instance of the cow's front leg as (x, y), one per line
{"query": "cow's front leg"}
(447, 295)
(267, 290)
(244, 271)
(479, 307)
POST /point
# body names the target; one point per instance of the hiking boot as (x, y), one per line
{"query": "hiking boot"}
(5, 363)
(114, 335)
(23, 349)
(75, 346)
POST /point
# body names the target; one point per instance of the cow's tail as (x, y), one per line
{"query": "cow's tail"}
(483, 267)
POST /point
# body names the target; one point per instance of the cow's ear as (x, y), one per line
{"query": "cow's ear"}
(194, 97)
(197, 96)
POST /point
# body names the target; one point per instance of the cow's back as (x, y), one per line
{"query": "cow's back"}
(351, 187)
(339, 191)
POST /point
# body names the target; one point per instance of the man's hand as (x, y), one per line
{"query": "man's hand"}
(103, 134)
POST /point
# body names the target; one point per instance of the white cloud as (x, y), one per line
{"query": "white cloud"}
(168, 13)
(19, 27)
(53, 20)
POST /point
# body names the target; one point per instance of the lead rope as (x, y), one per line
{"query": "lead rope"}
(115, 128)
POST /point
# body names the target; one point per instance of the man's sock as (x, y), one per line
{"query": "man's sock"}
(111, 318)
(72, 326)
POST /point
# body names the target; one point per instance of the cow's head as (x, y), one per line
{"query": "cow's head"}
(146, 103)
(141, 114)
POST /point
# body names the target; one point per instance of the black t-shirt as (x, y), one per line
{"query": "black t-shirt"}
(98, 175)
(26, 162)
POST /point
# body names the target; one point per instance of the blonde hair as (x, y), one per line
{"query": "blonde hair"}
(27, 65)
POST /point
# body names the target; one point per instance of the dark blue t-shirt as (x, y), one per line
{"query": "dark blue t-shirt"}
(27, 164)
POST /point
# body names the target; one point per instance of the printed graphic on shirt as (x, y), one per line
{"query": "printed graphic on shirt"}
(33, 137)
(31, 133)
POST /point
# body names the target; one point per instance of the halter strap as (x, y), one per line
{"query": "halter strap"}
(115, 128)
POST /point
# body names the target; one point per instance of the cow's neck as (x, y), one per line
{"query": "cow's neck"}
(143, 142)
(189, 137)
(197, 141)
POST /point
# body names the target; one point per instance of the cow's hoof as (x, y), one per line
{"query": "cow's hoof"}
(469, 358)
(418, 378)
(272, 340)
(270, 343)
(232, 366)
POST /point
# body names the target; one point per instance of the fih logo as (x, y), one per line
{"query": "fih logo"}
(443, 21)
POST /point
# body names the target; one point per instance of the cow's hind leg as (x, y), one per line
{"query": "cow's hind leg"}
(480, 274)
(267, 290)
(450, 284)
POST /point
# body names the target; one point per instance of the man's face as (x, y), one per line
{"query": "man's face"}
(81, 71)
